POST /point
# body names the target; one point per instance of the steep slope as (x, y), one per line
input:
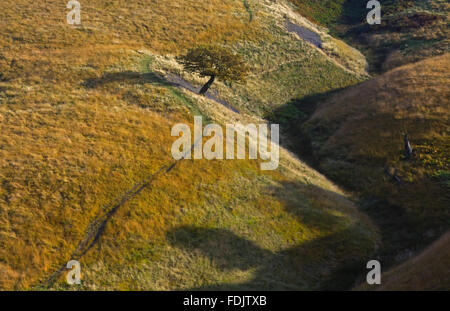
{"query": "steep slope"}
(411, 30)
(356, 138)
(427, 271)
(86, 170)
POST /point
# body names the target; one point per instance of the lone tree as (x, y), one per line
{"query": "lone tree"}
(214, 62)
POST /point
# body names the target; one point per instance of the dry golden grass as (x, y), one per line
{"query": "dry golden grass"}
(83, 118)
(165, 26)
(60, 167)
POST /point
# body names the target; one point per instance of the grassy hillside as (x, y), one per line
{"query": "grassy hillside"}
(85, 165)
(427, 271)
(282, 65)
(355, 137)
(411, 30)
(324, 12)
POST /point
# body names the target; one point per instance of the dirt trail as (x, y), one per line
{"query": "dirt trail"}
(304, 33)
(96, 228)
(180, 82)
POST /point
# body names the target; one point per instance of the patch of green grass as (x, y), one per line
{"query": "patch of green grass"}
(295, 71)
(189, 102)
(324, 12)
(443, 177)
(249, 10)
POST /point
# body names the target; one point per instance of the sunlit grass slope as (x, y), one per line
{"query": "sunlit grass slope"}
(85, 114)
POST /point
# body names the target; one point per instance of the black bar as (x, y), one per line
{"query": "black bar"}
(226, 300)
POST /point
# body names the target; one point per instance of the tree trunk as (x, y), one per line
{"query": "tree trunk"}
(408, 148)
(207, 85)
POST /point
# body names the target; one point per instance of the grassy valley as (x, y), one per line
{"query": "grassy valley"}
(86, 170)
(355, 137)
(411, 30)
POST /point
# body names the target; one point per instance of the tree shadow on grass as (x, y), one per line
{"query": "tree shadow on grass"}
(127, 77)
(171, 80)
(329, 262)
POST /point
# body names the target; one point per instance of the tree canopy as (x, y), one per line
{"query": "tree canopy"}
(214, 62)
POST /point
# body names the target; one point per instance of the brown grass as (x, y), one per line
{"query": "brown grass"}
(427, 271)
(366, 122)
(69, 148)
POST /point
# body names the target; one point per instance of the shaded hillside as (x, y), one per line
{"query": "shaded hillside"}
(427, 271)
(411, 30)
(355, 136)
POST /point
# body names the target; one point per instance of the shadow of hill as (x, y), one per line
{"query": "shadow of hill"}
(291, 118)
(354, 12)
(228, 250)
(349, 241)
(303, 267)
(409, 215)
(329, 262)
